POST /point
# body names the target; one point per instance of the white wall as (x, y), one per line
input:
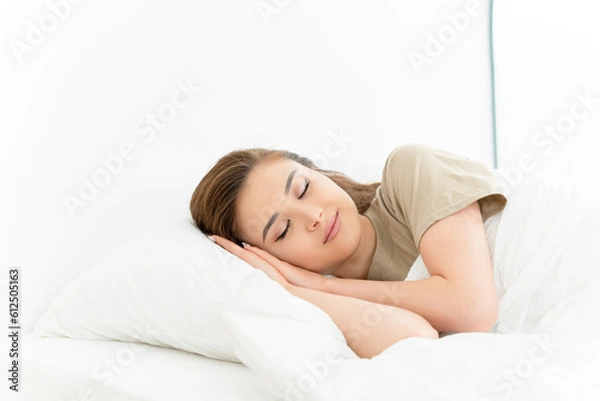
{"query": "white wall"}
(259, 73)
(547, 59)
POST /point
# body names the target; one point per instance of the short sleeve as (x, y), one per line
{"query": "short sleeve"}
(422, 184)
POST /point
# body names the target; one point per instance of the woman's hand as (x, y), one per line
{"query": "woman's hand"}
(298, 276)
(275, 268)
(253, 259)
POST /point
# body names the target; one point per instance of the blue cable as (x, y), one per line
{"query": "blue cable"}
(491, 37)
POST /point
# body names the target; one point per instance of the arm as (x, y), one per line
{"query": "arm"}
(369, 328)
(459, 296)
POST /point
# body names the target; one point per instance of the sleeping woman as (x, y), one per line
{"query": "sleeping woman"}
(347, 247)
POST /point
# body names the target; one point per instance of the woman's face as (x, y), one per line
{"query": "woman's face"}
(291, 205)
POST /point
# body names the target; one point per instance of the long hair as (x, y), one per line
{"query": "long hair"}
(213, 202)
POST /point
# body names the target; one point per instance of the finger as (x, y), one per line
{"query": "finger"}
(222, 242)
(279, 264)
(244, 254)
(229, 246)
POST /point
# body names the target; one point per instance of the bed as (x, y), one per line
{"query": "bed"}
(542, 346)
(71, 369)
(87, 336)
(68, 369)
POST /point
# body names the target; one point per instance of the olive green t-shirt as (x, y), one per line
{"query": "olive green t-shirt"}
(420, 185)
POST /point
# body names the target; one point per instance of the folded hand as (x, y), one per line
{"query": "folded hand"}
(253, 259)
(282, 272)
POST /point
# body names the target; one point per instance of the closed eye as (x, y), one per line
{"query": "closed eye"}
(305, 189)
(283, 234)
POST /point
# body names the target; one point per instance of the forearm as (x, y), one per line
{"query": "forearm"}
(368, 327)
(436, 299)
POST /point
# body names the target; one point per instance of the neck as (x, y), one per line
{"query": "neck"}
(358, 265)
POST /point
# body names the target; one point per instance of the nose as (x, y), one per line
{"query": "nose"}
(318, 220)
(309, 215)
(313, 216)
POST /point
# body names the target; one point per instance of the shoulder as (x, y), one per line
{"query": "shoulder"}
(408, 151)
(412, 154)
(425, 160)
(407, 159)
(404, 167)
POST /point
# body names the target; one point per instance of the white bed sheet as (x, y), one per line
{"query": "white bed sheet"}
(66, 369)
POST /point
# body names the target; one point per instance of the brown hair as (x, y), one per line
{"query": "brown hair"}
(213, 201)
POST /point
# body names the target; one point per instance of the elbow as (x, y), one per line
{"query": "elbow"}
(480, 324)
(373, 344)
(429, 333)
(482, 316)
(424, 330)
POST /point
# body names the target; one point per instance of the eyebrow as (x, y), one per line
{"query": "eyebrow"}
(288, 184)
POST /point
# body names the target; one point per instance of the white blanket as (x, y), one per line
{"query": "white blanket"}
(545, 345)
(545, 259)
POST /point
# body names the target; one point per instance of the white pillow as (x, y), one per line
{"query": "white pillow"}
(173, 287)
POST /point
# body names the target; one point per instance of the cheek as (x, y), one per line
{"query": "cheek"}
(294, 254)
(283, 256)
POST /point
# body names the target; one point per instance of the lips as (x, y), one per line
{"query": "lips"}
(332, 228)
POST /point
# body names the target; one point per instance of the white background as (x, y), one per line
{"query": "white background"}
(545, 53)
